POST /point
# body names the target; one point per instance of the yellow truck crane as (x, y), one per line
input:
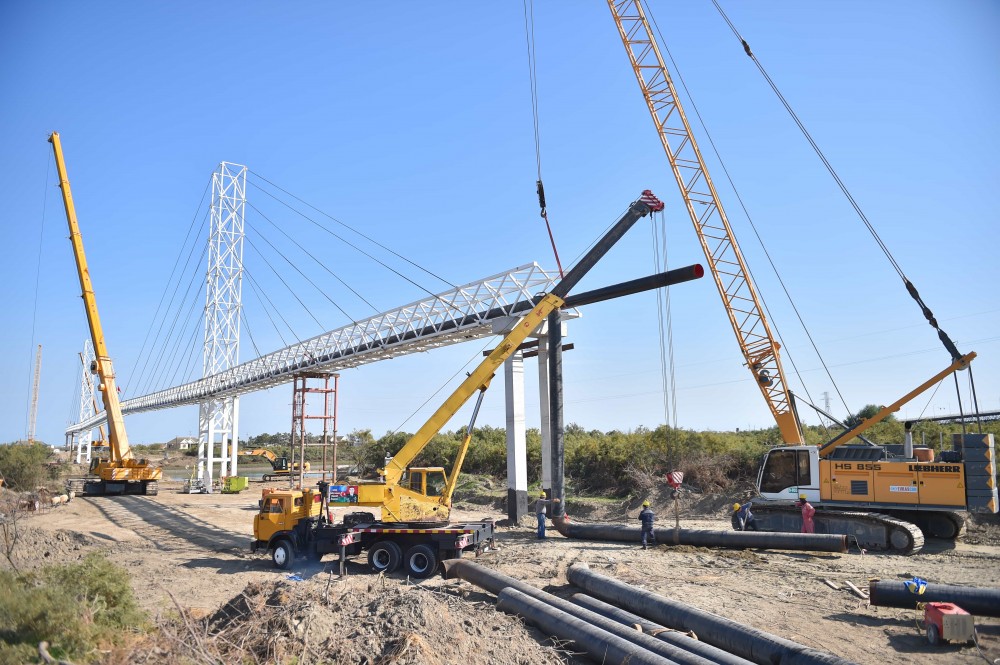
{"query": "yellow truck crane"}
(279, 465)
(876, 494)
(121, 473)
(414, 529)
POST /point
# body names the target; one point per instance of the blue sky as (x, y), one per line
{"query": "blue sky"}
(413, 124)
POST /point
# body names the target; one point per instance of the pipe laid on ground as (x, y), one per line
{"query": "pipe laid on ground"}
(980, 602)
(678, 639)
(601, 645)
(744, 641)
(813, 542)
(497, 583)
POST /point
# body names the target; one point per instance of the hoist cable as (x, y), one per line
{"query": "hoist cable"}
(346, 226)
(665, 325)
(910, 288)
(760, 241)
(529, 35)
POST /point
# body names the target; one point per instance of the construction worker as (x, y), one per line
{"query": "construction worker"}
(540, 512)
(743, 519)
(737, 520)
(646, 515)
(807, 515)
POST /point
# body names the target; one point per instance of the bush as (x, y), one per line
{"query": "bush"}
(77, 608)
(23, 466)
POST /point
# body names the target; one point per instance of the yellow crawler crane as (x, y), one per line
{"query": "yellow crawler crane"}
(122, 472)
(877, 496)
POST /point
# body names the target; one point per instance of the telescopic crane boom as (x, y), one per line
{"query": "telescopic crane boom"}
(122, 473)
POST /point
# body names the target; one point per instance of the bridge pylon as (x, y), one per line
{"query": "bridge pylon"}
(218, 419)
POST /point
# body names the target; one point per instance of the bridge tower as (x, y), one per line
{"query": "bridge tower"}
(81, 441)
(218, 418)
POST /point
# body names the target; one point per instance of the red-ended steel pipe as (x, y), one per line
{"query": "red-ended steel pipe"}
(981, 602)
(811, 542)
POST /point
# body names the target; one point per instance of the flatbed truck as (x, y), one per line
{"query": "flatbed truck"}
(298, 524)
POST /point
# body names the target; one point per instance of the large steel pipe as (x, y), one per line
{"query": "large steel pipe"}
(496, 583)
(812, 542)
(981, 602)
(744, 641)
(599, 644)
(678, 639)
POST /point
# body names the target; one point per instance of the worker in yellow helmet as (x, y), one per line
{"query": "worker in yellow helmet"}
(540, 506)
(743, 519)
(647, 516)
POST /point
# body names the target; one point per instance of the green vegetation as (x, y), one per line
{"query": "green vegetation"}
(78, 608)
(618, 463)
(25, 467)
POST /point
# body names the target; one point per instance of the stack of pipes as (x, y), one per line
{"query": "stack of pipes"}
(651, 629)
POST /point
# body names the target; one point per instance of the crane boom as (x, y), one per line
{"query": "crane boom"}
(122, 473)
(120, 448)
(33, 415)
(759, 346)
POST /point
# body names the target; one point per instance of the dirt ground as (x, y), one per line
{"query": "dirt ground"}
(196, 549)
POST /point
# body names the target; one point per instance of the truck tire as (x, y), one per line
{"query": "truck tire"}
(283, 555)
(385, 557)
(421, 561)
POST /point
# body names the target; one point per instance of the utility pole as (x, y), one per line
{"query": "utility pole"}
(33, 414)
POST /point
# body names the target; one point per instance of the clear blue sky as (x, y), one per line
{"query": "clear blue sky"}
(413, 123)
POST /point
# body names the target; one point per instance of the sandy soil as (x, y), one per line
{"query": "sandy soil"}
(196, 548)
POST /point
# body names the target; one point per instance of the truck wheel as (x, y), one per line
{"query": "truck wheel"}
(384, 557)
(421, 561)
(933, 634)
(283, 555)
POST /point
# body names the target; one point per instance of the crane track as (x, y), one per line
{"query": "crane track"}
(869, 531)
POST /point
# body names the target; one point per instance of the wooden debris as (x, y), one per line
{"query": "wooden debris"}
(858, 592)
(833, 585)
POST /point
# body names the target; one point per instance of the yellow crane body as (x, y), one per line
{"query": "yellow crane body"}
(121, 473)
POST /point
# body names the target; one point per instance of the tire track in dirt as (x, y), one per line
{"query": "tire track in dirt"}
(164, 527)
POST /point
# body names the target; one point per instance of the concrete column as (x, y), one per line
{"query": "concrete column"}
(543, 412)
(517, 450)
(234, 449)
(556, 412)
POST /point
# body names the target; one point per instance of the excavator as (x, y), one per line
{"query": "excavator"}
(121, 472)
(279, 465)
(883, 497)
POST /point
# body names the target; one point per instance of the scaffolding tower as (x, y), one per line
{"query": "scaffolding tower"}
(300, 415)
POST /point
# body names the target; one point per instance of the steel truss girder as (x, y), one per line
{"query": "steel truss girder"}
(461, 314)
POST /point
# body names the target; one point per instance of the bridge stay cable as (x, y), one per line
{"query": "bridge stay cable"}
(296, 267)
(346, 226)
(148, 380)
(316, 260)
(169, 280)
